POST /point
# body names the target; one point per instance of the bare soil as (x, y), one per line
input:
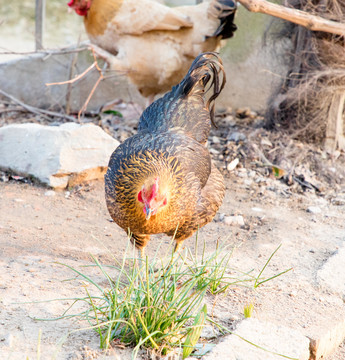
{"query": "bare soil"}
(40, 230)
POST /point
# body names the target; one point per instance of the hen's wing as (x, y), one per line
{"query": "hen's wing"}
(209, 201)
(138, 16)
(185, 106)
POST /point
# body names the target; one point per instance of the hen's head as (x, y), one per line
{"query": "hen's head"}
(81, 7)
(152, 196)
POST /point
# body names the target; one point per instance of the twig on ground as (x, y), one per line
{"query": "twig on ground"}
(36, 110)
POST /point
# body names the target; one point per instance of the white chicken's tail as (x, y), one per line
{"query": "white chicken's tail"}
(224, 10)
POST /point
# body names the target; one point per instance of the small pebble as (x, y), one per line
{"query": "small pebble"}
(338, 201)
(234, 317)
(234, 220)
(215, 140)
(50, 193)
(231, 166)
(247, 182)
(257, 209)
(214, 151)
(314, 210)
(237, 136)
(208, 332)
(220, 217)
(242, 174)
(230, 120)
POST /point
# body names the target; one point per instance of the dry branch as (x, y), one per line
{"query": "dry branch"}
(80, 76)
(101, 77)
(77, 77)
(311, 22)
(35, 110)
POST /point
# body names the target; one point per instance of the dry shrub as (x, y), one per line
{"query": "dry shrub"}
(316, 71)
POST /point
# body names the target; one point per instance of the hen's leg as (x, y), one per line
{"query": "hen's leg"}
(140, 242)
(178, 246)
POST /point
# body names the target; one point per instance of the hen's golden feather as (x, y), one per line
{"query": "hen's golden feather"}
(170, 146)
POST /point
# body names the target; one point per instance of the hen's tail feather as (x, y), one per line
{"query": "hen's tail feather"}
(206, 69)
(225, 11)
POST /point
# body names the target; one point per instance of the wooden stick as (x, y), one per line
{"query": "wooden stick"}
(35, 110)
(311, 22)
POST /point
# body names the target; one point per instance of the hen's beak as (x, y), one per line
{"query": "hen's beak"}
(148, 212)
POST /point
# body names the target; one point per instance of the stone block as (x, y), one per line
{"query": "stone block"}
(58, 156)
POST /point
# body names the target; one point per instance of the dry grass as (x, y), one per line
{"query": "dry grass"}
(317, 70)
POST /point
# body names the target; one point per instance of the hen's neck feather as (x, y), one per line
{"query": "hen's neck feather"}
(100, 14)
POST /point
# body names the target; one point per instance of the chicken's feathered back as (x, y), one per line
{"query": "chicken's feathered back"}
(162, 180)
(176, 109)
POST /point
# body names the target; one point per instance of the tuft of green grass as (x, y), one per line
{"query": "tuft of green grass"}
(145, 307)
(152, 305)
(248, 310)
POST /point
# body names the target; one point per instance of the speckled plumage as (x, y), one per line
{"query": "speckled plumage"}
(171, 145)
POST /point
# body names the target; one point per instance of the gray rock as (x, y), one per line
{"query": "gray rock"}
(275, 339)
(56, 155)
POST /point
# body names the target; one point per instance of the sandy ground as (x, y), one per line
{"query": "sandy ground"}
(39, 230)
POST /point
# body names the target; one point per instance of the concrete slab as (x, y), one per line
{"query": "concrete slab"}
(332, 274)
(256, 340)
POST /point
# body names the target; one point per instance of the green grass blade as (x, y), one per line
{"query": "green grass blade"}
(195, 332)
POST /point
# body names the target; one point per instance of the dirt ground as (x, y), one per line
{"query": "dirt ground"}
(40, 229)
